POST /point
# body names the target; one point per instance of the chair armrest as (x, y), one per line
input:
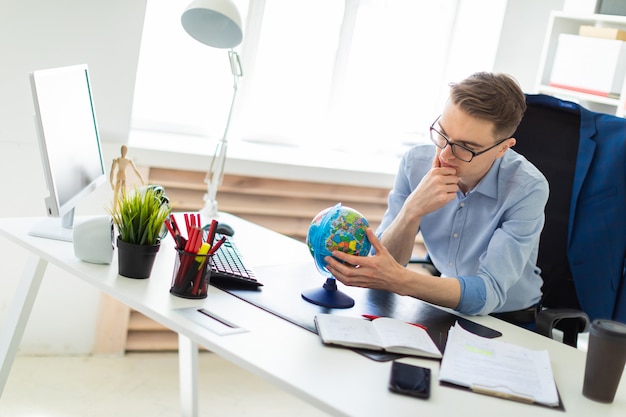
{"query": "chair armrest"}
(570, 321)
(426, 264)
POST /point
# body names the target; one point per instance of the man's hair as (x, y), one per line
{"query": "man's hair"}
(497, 98)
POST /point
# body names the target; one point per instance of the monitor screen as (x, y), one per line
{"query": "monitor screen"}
(67, 132)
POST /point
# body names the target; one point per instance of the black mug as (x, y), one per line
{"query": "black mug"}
(606, 358)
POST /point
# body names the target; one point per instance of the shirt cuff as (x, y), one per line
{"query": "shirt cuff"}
(473, 295)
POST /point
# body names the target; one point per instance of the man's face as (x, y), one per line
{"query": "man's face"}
(474, 134)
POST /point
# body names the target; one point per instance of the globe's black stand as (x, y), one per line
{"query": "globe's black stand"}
(328, 296)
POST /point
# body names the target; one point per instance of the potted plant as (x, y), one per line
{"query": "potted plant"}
(139, 217)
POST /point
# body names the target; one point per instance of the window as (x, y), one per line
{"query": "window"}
(355, 75)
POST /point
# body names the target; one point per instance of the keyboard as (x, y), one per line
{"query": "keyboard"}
(228, 268)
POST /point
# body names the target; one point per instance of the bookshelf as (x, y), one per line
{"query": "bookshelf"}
(560, 23)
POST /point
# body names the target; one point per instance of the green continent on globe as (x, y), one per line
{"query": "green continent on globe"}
(347, 233)
(337, 228)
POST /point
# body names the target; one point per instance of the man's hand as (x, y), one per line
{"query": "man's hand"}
(435, 190)
(380, 271)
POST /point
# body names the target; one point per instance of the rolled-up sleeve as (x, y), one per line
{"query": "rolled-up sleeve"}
(473, 295)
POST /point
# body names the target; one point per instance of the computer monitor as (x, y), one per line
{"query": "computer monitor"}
(67, 133)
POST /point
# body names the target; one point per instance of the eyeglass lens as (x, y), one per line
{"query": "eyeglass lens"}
(457, 150)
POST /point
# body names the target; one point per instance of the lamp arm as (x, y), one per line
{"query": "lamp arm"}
(215, 175)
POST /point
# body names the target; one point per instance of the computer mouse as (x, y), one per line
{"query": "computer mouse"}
(224, 229)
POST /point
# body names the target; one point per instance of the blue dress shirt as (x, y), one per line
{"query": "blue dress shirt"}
(487, 239)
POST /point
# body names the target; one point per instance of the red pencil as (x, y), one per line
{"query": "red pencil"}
(169, 228)
(193, 243)
(174, 224)
(187, 224)
(211, 235)
(217, 245)
(197, 237)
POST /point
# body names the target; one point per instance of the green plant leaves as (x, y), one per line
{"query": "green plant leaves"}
(139, 216)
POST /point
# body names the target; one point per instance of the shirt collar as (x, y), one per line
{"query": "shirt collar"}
(488, 185)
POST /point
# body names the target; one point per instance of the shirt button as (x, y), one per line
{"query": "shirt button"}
(461, 205)
(451, 263)
(456, 235)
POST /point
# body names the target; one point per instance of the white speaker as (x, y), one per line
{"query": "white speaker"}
(93, 240)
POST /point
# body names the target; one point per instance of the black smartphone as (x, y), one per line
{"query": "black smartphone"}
(409, 380)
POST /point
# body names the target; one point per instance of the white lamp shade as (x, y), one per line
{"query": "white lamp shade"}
(216, 23)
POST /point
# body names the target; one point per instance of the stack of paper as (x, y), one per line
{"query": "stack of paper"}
(497, 368)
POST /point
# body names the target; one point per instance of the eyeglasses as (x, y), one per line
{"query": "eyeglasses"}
(459, 151)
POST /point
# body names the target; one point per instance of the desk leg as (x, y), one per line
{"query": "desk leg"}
(17, 317)
(188, 376)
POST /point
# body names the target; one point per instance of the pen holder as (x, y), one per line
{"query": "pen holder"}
(191, 275)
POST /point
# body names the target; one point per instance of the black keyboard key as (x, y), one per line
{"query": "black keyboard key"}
(228, 268)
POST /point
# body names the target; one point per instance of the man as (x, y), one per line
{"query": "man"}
(478, 204)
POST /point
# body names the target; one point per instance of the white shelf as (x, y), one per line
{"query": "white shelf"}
(572, 94)
(567, 23)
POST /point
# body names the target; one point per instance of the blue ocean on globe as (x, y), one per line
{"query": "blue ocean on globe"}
(337, 228)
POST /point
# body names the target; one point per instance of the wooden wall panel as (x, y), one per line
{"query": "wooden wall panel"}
(281, 205)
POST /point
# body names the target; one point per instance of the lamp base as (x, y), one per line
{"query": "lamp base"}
(328, 296)
(209, 211)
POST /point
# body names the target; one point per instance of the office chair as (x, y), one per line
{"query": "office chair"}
(548, 136)
(583, 243)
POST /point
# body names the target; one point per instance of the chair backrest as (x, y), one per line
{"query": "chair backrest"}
(549, 137)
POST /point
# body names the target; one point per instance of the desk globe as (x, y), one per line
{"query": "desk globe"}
(335, 228)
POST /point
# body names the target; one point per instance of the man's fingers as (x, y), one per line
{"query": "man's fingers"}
(371, 236)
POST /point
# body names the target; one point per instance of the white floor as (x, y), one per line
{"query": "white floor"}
(139, 384)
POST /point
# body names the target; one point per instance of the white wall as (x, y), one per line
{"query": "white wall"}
(39, 34)
(521, 40)
(523, 33)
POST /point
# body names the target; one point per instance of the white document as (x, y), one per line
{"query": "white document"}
(498, 368)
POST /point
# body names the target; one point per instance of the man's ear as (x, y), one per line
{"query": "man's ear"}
(509, 143)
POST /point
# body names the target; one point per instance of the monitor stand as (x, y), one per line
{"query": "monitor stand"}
(58, 228)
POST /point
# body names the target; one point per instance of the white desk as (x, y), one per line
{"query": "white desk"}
(338, 381)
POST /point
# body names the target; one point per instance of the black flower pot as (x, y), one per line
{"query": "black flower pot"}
(135, 261)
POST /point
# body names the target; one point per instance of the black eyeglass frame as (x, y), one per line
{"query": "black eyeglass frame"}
(454, 145)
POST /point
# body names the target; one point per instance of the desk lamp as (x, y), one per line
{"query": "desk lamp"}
(216, 23)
